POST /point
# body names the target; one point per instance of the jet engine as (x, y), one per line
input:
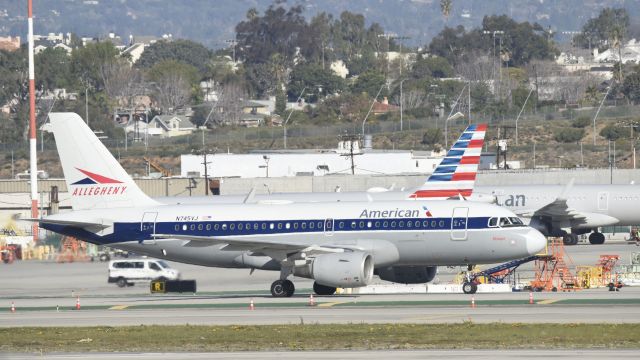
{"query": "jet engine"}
(347, 269)
(408, 274)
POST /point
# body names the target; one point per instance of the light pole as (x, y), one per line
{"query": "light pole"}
(401, 101)
(370, 108)
(233, 43)
(284, 126)
(455, 116)
(598, 112)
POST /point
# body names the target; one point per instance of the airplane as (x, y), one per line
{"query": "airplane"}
(337, 244)
(580, 208)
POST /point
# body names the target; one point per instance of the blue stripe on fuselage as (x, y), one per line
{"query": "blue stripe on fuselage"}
(124, 232)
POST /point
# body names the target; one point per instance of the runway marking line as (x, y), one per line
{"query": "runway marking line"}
(330, 304)
(548, 301)
(119, 307)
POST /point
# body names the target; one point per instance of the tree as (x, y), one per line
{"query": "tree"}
(173, 83)
(432, 137)
(184, 51)
(581, 122)
(613, 132)
(281, 102)
(599, 31)
(315, 81)
(278, 31)
(53, 69)
(369, 82)
(569, 135)
(437, 67)
(445, 7)
(631, 87)
(87, 61)
(121, 82)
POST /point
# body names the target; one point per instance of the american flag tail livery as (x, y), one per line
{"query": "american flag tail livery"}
(456, 173)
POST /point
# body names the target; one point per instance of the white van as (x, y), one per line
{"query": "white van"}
(125, 272)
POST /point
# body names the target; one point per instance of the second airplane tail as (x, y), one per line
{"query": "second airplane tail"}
(456, 173)
(94, 177)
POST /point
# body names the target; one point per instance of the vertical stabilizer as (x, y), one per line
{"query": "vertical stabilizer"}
(94, 177)
(456, 173)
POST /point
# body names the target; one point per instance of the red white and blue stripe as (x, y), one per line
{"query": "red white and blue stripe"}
(456, 173)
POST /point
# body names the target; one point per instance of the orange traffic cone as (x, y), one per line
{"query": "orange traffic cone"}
(78, 303)
(473, 302)
(312, 301)
(530, 297)
(251, 306)
(13, 307)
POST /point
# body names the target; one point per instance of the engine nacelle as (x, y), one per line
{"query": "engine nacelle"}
(347, 269)
(408, 274)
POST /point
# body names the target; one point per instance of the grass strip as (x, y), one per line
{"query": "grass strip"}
(466, 335)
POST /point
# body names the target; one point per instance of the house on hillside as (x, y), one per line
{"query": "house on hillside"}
(384, 107)
(170, 125)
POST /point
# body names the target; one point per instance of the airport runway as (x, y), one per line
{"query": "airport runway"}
(357, 355)
(39, 288)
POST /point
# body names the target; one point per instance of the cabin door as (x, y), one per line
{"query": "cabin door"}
(459, 220)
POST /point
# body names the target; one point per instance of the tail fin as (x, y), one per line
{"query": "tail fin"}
(94, 177)
(456, 173)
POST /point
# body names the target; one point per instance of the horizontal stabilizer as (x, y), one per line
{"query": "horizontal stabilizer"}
(72, 223)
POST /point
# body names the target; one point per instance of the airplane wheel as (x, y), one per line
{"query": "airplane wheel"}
(469, 288)
(596, 238)
(289, 288)
(323, 290)
(570, 239)
(278, 289)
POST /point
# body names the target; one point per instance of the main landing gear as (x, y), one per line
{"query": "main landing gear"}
(469, 287)
(282, 288)
(596, 238)
(570, 239)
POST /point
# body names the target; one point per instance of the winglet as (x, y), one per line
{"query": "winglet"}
(566, 189)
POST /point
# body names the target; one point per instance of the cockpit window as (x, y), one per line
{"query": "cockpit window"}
(516, 221)
(505, 222)
(493, 222)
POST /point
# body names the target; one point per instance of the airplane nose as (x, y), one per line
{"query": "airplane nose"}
(536, 242)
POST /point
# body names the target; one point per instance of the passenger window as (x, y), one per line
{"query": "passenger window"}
(312, 225)
(353, 224)
(184, 227)
(279, 226)
(425, 224)
(271, 226)
(409, 224)
(232, 226)
(369, 224)
(341, 225)
(264, 226)
(303, 225)
(361, 224)
(192, 227)
(255, 226)
(287, 225)
(385, 224)
(393, 224)
(401, 224)
(208, 226)
(177, 227)
(138, 265)
(377, 224)
(216, 227)
(200, 227)
(320, 224)
(224, 226)
(295, 225)
(417, 223)
(239, 226)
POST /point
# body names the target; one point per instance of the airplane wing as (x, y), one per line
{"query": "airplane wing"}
(275, 246)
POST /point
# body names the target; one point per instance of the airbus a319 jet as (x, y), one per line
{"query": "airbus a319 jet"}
(337, 244)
